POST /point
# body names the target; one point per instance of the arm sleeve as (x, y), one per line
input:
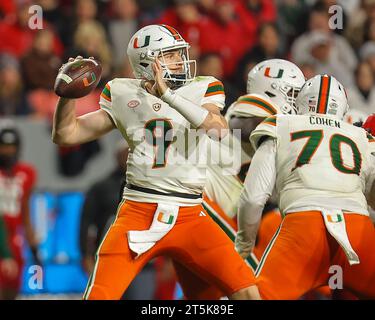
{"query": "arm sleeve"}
(258, 186)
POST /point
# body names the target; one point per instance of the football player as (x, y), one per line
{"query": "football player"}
(272, 87)
(270, 83)
(161, 213)
(322, 168)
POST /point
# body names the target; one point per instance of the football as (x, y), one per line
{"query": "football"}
(78, 78)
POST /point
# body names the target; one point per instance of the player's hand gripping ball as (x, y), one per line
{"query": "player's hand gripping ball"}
(78, 77)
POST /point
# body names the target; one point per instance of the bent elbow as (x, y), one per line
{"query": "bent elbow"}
(60, 140)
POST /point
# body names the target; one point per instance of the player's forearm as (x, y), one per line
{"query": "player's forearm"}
(248, 218)
(215, 125)
(64, 122)
(258, 186)
(197, 115)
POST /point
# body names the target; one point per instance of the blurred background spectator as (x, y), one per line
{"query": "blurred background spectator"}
(17, 181)
(357, 30)
(367, 53)
(361, 96)
(329, 52)
(122, 28)
(41, 61)
(269, 46)
(12, 96)
(90, 40)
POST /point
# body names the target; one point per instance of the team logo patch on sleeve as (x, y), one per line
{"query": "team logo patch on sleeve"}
(156, 106)
(134, 103)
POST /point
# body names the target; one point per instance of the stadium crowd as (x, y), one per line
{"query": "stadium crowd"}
(227, 38)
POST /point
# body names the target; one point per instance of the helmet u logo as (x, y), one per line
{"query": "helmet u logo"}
(136, 45)
(267, 73)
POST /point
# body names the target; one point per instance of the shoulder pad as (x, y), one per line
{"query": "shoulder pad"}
(266, 128)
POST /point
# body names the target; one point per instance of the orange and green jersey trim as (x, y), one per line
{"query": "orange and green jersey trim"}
(325, 85)
(270, 120)
(214, 88)
(259, 103)
(106, 93)
(370, 137)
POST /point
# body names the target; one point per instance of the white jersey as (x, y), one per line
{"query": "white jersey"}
(223, 186)
(162, 156)
(321, 162)
(251, 106)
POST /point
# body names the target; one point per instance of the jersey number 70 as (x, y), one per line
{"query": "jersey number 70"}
(314, 139)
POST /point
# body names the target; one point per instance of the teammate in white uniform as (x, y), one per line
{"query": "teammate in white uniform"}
(161, 212)
(271, 89)
(322, 168)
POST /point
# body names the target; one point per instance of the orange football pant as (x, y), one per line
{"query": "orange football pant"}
(194, 287)
(195, 242)
(299, 257)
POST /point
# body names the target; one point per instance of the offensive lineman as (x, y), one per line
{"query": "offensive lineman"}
(322, 168)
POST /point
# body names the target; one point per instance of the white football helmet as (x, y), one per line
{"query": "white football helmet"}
(323, 94)
(278, 79)
(152, 42)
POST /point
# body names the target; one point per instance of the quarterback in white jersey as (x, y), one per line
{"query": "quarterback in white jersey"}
(322, 168)
(161, 212)
(165, 170)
